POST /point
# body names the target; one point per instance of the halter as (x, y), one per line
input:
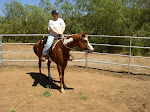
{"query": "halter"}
(83, 42)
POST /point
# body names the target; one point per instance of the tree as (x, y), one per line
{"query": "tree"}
(102, 17)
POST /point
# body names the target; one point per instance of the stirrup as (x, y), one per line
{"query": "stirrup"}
(71, 59)
(43, 58)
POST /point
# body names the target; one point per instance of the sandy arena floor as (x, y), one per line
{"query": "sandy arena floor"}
(99, 88)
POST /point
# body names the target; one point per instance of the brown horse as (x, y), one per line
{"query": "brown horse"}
(60, 53)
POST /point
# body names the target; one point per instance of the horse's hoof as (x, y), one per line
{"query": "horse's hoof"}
(63, 91)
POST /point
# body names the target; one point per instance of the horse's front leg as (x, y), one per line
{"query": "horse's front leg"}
(49, 75)
(63, 70)
(60, 70)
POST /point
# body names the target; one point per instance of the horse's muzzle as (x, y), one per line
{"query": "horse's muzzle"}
(90, 51)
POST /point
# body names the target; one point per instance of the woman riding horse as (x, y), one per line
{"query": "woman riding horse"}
(56, 27)
(60, 53)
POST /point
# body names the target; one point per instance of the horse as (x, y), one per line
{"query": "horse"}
(60, 53)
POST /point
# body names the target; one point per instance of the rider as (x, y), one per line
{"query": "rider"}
(56, 27)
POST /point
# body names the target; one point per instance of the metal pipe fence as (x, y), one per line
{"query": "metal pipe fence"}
(86, 56)
(1, 52)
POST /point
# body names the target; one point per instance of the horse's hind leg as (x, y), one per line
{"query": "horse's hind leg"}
(49, 75)
(40, 66)
(61, 78)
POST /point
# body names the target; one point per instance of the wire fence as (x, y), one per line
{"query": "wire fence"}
(86, 60)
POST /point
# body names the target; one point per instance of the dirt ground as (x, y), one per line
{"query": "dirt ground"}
(98, 88)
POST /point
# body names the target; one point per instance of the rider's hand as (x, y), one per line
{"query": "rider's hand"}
(59, 34)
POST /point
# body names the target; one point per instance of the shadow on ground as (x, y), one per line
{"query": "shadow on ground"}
(113, 71)
(44, 81)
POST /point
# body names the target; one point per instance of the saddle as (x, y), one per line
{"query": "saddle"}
(49, 54)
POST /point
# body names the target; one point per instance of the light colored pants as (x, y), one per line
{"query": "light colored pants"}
(48, 44)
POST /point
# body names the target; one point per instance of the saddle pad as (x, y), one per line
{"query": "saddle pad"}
(44, 40)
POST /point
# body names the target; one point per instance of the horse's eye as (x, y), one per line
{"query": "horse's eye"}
(85, 41)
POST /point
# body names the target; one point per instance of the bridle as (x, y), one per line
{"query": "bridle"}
(75, 44)
(83, 42)
(88, 50)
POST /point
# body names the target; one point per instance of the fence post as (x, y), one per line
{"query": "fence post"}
(86, 59)
(130, 55)
(44, 61)
(1, 52)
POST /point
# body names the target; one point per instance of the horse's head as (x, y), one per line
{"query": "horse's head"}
(84, 43)
(80, 40)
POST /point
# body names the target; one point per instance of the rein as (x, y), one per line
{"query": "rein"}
(78, 58)
(73, 49)
(66, 46)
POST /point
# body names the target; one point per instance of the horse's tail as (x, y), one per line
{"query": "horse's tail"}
(35, 49)
(38, 48)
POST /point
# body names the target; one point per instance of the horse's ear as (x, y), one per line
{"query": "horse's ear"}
(83, 34)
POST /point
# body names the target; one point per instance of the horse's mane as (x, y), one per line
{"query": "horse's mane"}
(73, 35)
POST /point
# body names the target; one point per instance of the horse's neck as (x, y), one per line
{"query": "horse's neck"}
(54, 44)
(70, 42)
(60, 45)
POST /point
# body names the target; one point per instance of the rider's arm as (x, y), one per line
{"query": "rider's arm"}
(63, 26)
(60, 33)
(63, 29)
(52, 30)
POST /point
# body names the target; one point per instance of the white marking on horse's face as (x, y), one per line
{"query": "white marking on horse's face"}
(66, 41)
(90, 47)
(86, 39)
(88, 44)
